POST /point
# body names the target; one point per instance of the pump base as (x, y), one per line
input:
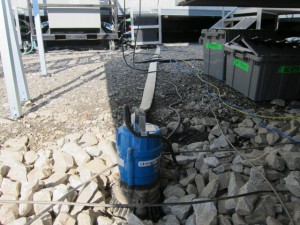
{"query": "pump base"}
(124, 194)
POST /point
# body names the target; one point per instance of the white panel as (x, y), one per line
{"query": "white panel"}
(74, 18)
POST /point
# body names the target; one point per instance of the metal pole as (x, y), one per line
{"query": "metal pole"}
(8, 65)
(21, 79)
(38, 28)
(223, 16)
(30, 17)
(18, 27)
(259, 17)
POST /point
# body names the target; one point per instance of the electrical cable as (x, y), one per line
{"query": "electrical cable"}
(131, 129)
(236, 109)
(253, 166)
(134, 205)
(33, 45)
(171, 106)
(167, 60)
(247, 112)
(137, 32)
(258, 120)
(232, 150)
(68, 193)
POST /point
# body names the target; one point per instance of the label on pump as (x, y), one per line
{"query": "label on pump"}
(149, 162)
(120, 162)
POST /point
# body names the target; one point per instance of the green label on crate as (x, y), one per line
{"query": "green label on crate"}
(241, 64)
(289, 69)
(215, 46)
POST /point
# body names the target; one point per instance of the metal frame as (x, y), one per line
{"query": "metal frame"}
(16, 14)
(38, 26)
(16, 84)
(143, 27)
(241, 3)
(68, 36)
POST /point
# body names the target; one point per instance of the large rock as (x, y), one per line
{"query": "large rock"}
(182, 211)
(74, 138)
(292, 183)
(272, 221)
(246, 123)
(173, 191)
(43, 161)
(245, 132)
(109, 148)
(211, 161)
(191, 220)
(278, 102)
(170, 220)
(7, 157)
(8, 212)
(103, 220)
(217, 132)
(56, 179)
(211, 189)
(235, 184)
(275, 162)
(195, 146)
(19, 221)
(206, 213)
(238, 220)
(62, 161)
(187, 180)
(85, 195)
(224, 220)
(27, 191)
(30, 157)
(9, 187)
(58, 192)
(16, 144)
(80, 156)
(18, 172)
(219, 142)
(173, 125)
(264, 207)
(256, 174)
(64, 218)
(88, 139)
(95, 166)
(272, 138)
(42, 196)
(39, 174)
(133, 219)
(200, 184)
(85, 218)
(46, 219)
(292, 160)
(93, 151)
(245, 205)
(223, 179)
(167, 209)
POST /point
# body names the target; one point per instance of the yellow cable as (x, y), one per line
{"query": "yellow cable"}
(234, 108)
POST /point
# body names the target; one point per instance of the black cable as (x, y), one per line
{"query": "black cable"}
(137, 32)
(232, 150)
(131, 129)
(168, 60)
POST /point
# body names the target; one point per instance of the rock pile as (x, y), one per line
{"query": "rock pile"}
(50, 172)
(216, 173)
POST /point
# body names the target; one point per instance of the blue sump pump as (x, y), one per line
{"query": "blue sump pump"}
(139, 158)
(139, 154)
